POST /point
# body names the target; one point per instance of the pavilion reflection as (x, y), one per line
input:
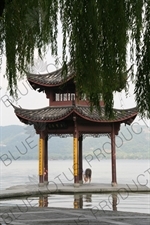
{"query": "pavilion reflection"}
(78, 201)
(83, 201)
(114, 201)
(43, 201)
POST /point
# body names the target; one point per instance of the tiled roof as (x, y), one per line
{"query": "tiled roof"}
(52, 114)
(47, 114)
(95, 115)
(51, 79)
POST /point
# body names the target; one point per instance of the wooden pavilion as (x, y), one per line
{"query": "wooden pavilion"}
(68, 115)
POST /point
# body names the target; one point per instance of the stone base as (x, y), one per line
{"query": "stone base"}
(81, 182)
(46, 182)
(41, 184)
(113, 184)
(77, 185)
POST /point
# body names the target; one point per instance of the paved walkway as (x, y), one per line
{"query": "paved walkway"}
(56, 216)
(30, 214)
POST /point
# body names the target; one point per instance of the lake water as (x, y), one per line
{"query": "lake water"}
(60, 171)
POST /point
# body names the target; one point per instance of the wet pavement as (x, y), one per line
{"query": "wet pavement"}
(44, 216)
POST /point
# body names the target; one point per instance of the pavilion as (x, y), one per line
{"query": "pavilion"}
(68, 115)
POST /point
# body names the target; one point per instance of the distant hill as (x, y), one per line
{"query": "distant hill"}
(21, 142)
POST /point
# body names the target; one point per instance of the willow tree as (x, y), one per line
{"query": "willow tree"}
(101, 35)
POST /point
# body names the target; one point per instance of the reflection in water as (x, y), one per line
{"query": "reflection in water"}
(43, 201)
(133, 202)
(81, 200)
(78, 201)
(88, 198)
(114, 201)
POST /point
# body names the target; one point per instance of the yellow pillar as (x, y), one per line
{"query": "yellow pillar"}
(41, 160)
(75, 154)
(75, 157)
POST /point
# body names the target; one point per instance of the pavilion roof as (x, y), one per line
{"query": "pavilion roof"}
(51, 79)
(53, 114)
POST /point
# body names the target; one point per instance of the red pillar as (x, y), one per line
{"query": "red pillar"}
(113, 156)
(80, 160)
(46, 161)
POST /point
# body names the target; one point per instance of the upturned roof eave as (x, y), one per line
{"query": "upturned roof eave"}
(71, 110)
(121, 120)
(42, 84)
(52, 79)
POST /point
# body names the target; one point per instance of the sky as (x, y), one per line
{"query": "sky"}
(31, 99)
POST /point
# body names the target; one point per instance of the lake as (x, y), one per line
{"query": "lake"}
(60, 171)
